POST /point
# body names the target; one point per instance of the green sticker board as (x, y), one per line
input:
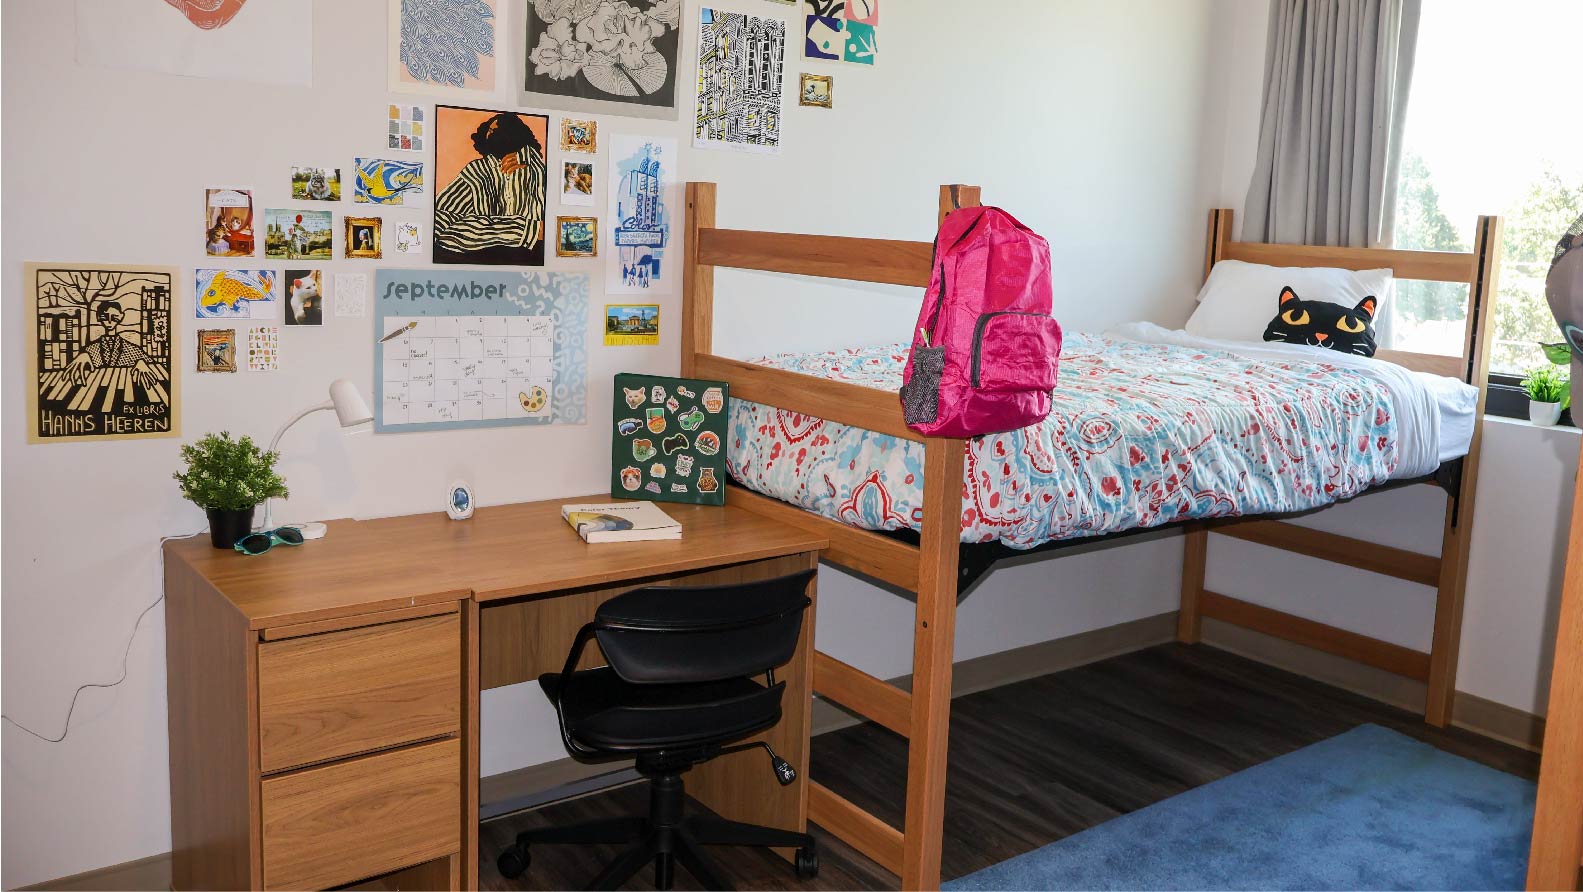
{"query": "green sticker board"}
(668, 440)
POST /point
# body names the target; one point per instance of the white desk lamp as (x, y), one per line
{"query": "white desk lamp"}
(350, 410)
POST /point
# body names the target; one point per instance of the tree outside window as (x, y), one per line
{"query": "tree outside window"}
(1506, 144)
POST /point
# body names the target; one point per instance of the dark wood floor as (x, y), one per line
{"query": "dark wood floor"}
(1034, 762)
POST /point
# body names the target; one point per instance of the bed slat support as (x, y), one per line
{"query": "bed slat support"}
(859, 691)
(1447, 573)
(1392, 658)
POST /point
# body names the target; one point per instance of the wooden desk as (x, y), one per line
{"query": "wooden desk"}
(324, 698)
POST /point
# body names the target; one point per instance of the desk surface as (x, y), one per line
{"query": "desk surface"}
(363, 566)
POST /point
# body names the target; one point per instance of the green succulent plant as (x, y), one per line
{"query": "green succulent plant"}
(1545, 384)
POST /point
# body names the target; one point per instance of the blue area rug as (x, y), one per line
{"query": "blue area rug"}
(1368, 809)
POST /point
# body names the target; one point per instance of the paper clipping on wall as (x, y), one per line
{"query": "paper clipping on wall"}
(100, 360)
(144, 35)
(350, 294)
(443, 46)
(479, 348)
(615, 58)
(642, 202)
(741, 63)
(263, 348)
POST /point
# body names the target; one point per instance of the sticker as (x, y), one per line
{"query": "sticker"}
(708, 443)
(673, 445)
(657, 420)
(678, 487)
(657, 471)
(657, 394)
(653, 487)
(533, 400)
(672, 404)
(714, 400)
(634, 396)
(684, 465)
(643, 450)
(692, 419)
(706, 480)
(631, 479)
(628, 426)
(685, 392)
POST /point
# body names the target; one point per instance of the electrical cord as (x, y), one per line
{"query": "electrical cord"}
(125, 655)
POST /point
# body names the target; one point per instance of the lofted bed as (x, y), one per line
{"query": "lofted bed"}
(930, 559)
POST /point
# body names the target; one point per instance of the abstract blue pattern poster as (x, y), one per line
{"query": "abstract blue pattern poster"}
(443, 46)
(642, 202)
(465, 349)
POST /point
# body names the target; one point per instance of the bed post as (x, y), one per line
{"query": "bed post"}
(1195, 542)
(934, 638)
(698, 282)
(1457, 539)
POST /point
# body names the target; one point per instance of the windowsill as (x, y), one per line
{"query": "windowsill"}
(1523, 422)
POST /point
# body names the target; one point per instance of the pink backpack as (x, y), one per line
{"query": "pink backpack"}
(985, 350)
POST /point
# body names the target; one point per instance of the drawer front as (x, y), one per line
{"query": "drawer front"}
(327, 696)
(333, 824)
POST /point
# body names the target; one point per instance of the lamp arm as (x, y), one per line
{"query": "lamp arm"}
(269, 515)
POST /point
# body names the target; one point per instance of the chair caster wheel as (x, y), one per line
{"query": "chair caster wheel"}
(514, 861)
(807, 863)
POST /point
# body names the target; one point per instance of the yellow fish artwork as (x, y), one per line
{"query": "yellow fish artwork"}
(229, 288)
(387, 182)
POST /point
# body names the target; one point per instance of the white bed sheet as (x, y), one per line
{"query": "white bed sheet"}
(1435, 414)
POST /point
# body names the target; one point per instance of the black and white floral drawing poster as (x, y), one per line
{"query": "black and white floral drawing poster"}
(602, 56)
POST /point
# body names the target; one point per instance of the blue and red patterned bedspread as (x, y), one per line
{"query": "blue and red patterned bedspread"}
(1141, 434)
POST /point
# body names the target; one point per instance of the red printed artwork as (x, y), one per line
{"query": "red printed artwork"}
(208, 14)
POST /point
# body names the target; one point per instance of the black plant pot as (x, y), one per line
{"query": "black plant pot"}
(227, 527)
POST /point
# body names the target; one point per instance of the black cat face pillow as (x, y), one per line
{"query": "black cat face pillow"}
(1319, 323)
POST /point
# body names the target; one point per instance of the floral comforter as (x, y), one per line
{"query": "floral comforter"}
(1141, 434)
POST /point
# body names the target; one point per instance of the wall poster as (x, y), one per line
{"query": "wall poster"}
(479, 348)
(614, 57)
(490, 181)
(741, 59)
(100, 360)
(642, 208)
(442, 46)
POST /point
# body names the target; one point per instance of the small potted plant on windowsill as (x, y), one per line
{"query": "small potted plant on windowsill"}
(1548, 392)
(228, 479)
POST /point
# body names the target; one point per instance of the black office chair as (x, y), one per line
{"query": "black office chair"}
(679, 688)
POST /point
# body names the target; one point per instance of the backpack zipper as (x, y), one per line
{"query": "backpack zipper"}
(978, 336)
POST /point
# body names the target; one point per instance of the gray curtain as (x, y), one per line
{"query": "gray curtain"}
(1336, 76)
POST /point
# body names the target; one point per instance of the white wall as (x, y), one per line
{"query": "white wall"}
(1081, 117)
(1525, 479)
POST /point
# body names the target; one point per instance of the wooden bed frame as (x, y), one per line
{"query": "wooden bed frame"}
(930, 568)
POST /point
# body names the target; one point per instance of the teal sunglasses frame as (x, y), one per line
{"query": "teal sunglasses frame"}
(273, 537)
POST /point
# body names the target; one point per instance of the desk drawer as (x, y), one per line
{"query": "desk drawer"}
(327, 696)
(333, 824)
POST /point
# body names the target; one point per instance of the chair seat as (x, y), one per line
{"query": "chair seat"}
(604, 712)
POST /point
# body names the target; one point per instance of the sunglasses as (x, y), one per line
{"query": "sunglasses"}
(256, 544)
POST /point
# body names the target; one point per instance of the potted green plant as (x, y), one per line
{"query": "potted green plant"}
(1548, 390)
(228, 478)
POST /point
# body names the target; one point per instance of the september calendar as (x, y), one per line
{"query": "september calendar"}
(461, 349)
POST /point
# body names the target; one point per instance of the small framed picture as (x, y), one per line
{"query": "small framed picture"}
(577, 237)
(363, 237)
(216, 349)
(459, 501)
(818, 90)
(579, 136)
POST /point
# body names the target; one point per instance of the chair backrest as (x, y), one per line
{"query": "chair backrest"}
(696, 634)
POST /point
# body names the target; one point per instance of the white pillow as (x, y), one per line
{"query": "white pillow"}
(1239, 299)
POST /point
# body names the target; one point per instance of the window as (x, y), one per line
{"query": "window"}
(1492, 128)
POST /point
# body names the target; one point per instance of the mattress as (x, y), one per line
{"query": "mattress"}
(1149, 426)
